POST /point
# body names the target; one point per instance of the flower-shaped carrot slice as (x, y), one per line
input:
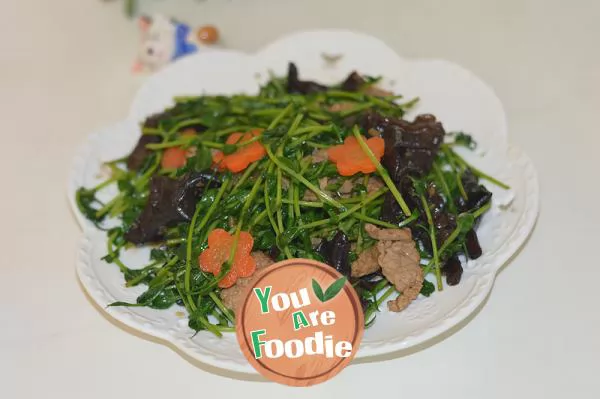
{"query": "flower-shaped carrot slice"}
(219, 248)
(350, 157)
(244, 155)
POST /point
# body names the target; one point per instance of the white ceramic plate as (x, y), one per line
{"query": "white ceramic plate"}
(457, 97)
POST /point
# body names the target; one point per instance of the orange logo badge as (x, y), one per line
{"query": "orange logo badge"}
(301, 323)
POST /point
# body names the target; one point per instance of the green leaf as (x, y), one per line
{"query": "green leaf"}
(126, 304)
(465, 140)
(465, 222)
(318, 290)
(158, 255)
(428, 288)
(229, 149)
(158, 298)
(108, 258)
(197, 320)
(85, 198)
(203, 158)
(334, 289)
(264, 239)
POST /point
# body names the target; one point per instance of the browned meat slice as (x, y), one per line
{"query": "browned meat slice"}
(388, 234)
(233, 296)
(323, 183)
(339, 107)
(311, 196)
(346, 187)
(366, 263)
(400, 266)
(377, 91)
(399, 261)
(319, 155)
(374, 184)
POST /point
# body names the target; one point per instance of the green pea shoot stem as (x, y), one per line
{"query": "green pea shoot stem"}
(382, 172)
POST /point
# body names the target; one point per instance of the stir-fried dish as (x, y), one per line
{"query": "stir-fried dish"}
(222, 186)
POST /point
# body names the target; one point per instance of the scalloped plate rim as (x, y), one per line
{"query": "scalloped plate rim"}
(453, 317)
(458, 314)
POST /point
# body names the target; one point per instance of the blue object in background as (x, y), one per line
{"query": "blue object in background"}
(182, 45)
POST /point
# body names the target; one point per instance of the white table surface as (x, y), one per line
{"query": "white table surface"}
(64, 70)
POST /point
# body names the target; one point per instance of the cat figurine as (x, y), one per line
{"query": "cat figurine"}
(165, 40)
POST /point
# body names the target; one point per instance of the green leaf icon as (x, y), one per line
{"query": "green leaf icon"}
(330, 292)
(334, 288)
(318, 290)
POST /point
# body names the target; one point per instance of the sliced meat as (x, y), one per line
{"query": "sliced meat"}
(319, 155)
(339, 107)
(388, 234)
(323, 183)
(399, 261)
(366, 263)
(378, 92)
(233, 296)
(346, 187)
(374, 184)
(310, 195)
(400, 265)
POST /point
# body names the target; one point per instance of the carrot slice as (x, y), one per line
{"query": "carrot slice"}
(220, 243)
(174, 158)
(244, 155)
(350, 157)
